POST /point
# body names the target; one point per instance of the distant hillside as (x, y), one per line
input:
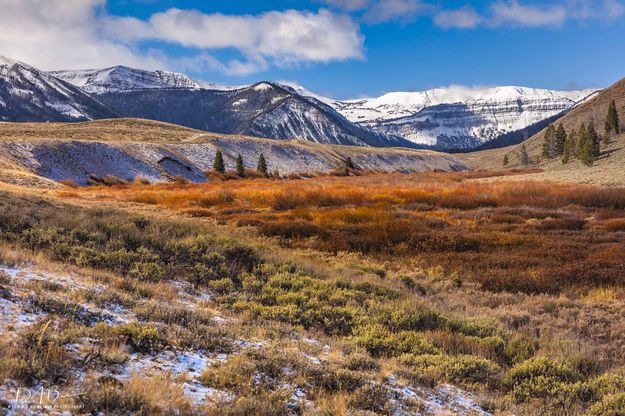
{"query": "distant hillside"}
(266, 109)
(28, 94)
(608, 169)
(129, 148)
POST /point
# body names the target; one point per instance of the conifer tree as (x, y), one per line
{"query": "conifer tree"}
(612, 127)
(240, 167)
(569, 147)
(262, 165)
(581, 145)
(506, 160)
(560, 139)
(524, 156)
(593, 142)
(549, 142)
(218, 164)
(349, 164)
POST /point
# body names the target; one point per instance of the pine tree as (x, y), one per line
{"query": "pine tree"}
(262, 165)
(524, 156)
(612, 127)
(569, 147)
(581, 145)
(218, 164)
(560, 139)
(506, 160)
(349, 164)
(592, 142)
(549, 142)
(240, 167)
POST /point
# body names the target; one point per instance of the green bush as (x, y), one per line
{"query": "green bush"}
(362, 362)
(380, 341)
(538, 378)
(141, 338)
(110, 240)
(373, 398)
(467, 370)
(612, 405)
(409, 317)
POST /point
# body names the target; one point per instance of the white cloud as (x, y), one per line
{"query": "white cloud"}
(514, 13)
(281, 38)
(54, 34)
(388, 10)
(595, 9)
(463, 18)
(350, 5)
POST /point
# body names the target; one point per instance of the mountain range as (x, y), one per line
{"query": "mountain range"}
(453, 118)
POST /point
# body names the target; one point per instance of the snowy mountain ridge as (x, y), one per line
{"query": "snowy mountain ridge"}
(123, 78)
(402, 104)
(447, 118)
(28, 94)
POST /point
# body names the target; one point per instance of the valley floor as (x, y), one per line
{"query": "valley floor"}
(458, 293)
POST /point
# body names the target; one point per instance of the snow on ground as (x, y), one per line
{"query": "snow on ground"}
(77, 160)
(186, 366)
(451, 400)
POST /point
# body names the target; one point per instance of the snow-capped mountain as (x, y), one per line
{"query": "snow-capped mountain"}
(122, 78)
(28, 94)
(265, 109)
(459, 117)
(444, 118)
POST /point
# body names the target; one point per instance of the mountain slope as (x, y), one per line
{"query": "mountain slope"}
(122, 78)
(27, 94)
(607, 169)
(264, 110)
(456, 117)
(158, 151)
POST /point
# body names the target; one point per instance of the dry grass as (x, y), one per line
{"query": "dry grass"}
(384, 307)
(527, 236)
(607, 170)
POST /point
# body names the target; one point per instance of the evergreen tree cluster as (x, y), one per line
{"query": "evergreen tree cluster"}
(220, 167)
(554, 141)
(583, 143)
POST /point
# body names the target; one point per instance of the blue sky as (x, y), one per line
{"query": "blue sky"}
(340, 48)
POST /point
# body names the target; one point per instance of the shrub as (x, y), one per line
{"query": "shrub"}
(379, 341)
(107, 396)
(108, 180)
(611, 405)
(159, 395)
(603, 385)
(409, 317)
(151, 272)
(373, 398)
(467, 370)
(70, 183)
(221, 286)
(37, 354)
(538, 378)
(362, 362)
(616, 224)
(140, 337)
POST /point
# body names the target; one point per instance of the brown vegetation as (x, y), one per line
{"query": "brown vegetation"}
(529, 236)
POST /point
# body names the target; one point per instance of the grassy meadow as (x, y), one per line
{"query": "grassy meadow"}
(326, 296)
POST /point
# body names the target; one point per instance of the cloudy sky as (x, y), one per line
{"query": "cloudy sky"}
(341, 48)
